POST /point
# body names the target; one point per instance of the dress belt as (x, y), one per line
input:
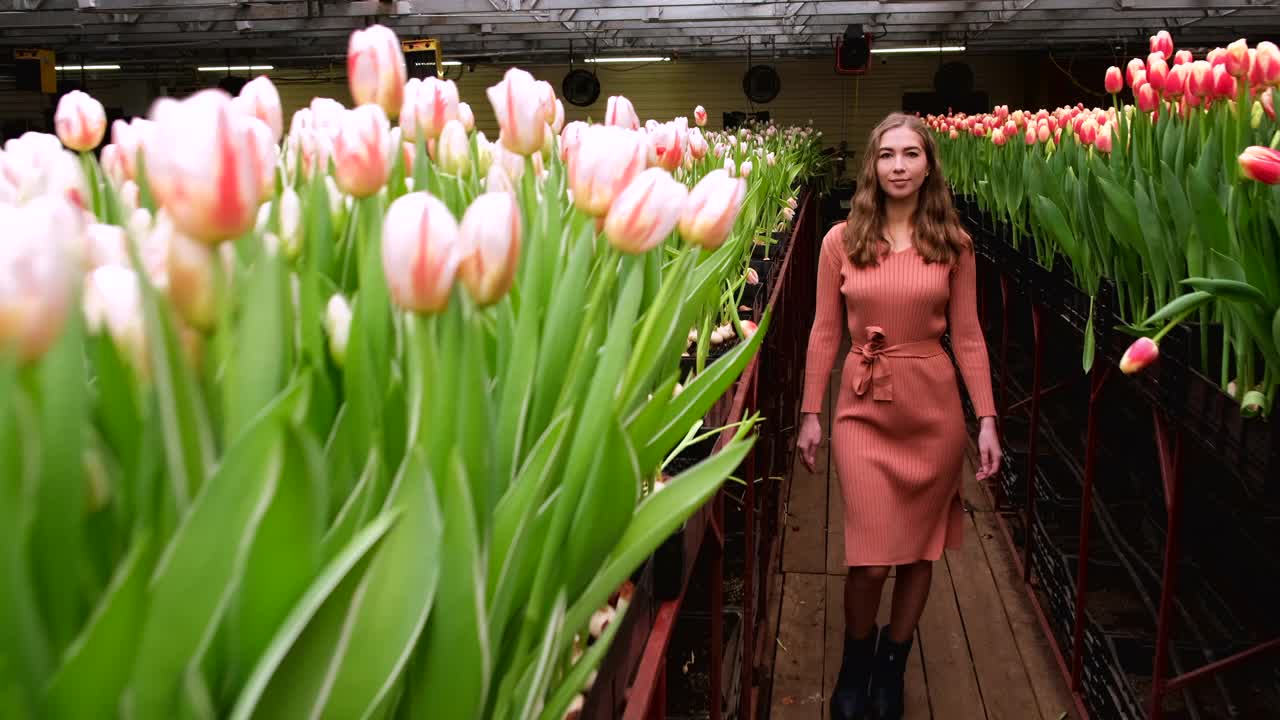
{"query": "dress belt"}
(872, 372)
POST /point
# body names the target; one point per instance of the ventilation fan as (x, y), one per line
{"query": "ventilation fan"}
(761, 83)
(580, 87)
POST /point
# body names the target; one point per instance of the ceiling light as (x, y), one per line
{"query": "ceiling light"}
(903, 50)
(446, 63)
(654, 58)
(231, 68)
(86, 67)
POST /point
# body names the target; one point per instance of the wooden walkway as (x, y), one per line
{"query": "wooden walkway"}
(979, 653)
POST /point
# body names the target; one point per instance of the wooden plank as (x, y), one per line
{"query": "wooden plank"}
(1050, 688)
(953, 688)
(917, 691)
(797, 672)
(1002, 677)
(804, 548)
(975, 498)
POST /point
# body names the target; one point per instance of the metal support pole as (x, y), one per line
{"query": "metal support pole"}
(716, 543)
(1097, 380)
(1169, 448)
(1032, 441)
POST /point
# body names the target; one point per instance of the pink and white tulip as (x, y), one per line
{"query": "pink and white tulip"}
(646, 212)
(259, 98)
(421, 252)
(518, 103)
(1140, 354)
(80, 121)
(490, 237)
(608, 158)
(376, 70)
(428, 105)
(362, 152)
(37, 270)
(619, 112)
(712, 209)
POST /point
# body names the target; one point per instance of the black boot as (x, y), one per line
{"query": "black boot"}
(849, 701)
(887, 677)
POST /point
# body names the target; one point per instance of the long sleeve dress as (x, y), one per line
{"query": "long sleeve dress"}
(898, 435)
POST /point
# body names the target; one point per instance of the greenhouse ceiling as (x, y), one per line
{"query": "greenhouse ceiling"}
(477, 30)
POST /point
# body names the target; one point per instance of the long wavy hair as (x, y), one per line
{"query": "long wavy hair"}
(939, 235)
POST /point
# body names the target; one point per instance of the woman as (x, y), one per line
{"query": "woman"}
(902, 269)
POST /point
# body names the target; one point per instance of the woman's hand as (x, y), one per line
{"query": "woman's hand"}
(808, 439)
(988, 449)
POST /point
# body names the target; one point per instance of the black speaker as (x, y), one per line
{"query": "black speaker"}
(420, 64)
(27, 73)
(853, 51)
(580, 87)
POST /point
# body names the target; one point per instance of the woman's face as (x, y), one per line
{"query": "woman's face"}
(901, 164)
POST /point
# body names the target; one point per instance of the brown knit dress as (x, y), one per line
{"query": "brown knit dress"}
(898, 437)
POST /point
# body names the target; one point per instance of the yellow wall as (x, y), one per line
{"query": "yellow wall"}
(841, 107)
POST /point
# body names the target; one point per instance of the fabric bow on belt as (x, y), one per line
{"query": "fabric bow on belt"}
(871, 371)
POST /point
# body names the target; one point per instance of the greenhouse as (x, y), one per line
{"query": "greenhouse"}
(629, 360)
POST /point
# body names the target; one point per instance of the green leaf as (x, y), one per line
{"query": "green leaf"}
(96, 667)
(576, 679)
(394, 599)
(608, 500)
(198, 571)
(1052, 219)
(1275, 329)
(1227, 289)
(1090, 342)
(1121, 214)
(541, 671)
(261, 352)
(1177, 306)
(1226, 268)
(356, 510)
(1211, 218)
(453, 676)
(336, 571)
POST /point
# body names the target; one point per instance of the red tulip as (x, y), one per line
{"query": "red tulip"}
(1175, 83)
(1183, 57)
(1088, 131)
(749, 328)
(1030, 135)
(1148, 98)
(1157, 73)
(1162, 43)
(1269, 103)
(1103, 139)
(1114, 82)
(1140, 354)
(1237, 58)
(1225, 85)
(1261, 164)
(1267, 63)
(1201, 82)
(80, 121)
(490, 241)
(421, 251)
(1135, 66)
(997, 136)
(375, 69)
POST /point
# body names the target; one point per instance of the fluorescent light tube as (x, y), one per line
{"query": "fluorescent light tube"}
(904, 50)
(230, 68)
(655, 58)
(446, 63)
(86, 67)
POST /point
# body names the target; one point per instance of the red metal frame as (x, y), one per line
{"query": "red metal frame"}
(1168, 436)
(646, 697)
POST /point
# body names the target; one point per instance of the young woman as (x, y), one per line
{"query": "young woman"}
(901, 270)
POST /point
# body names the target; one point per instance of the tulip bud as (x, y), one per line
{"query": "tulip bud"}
(362, 151)
(1269, 103)
(730, 166)
(1088, 131)
(420, 252)
(1103, 139)
(38, 265)
(1162, 43)
(1148, 98)
(191, 280)
(1261, 164)
(608, 158)
(997, 136)
(745, 168)
(1225, 84)
(1200, 83)
(376, 70)
(208, 165)
(490, 237)
(646, 212)
(1183, 57)
(1114, 82)
(1140, 354)
(557, 120)
(1236, 60)
(1266, 64)
(749, 328)
(80, 121)
(712, 209)
(466, 116)
(454, 151)
(291, 222)
(35, 165)
(700, 116)
(1042, 132)
(955, 134)
(1134, 67)
(113, 304)
(337, 325)
(1157, 73)
(260, 99)
(621, 113)
(1175, 83)
(498, 181)
(518, 103)
(697, 144)
(428, 105)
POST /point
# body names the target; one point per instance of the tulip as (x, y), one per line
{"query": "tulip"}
(730, 166)
(1225, 85)
(498, 181)
(1157, 73)
(37, 268)
(421, 251)
(191, 280)
(376, 70)
(113, 304)
(428, 105)
(1162, 43)
(1175, 83)
(1043, 133)
(752, 277)
(745, 168)
(518, 103)
(490, 238)
(36, 164)
(104, 245)
(1269, 103)
(570, 138)
(80, 121)
(1148, 98)
(337, 325)
(1261, 164)
(955, 134)
(712, 209)
(362, 151)
(557, 123)
(1030, 137)
(997, 136)
(608, 158)
(697, 144)
(1088, 131)
(466, 116)
(1140, 354)
(259, 98)
(1236, 59)
(1114, 82)
(326, 116)
(206, 166)
(646, 212)
(1200, 83)
(621, 113)
(700, 116)
(1266, 64)
(1103, 139)
(454, 151)
(1183, 57)
(749, 328)
(1135, 66)
(113, 164)
(291, 222)
(131, 137)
